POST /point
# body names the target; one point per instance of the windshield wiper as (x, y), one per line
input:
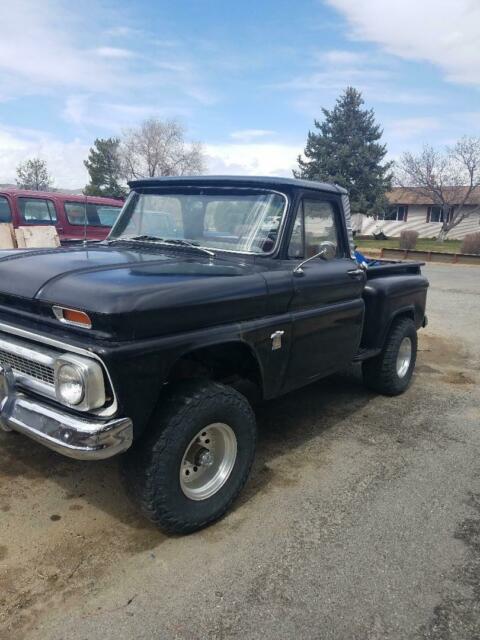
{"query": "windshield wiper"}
(187, 243)
(179, 241)
(144, 238)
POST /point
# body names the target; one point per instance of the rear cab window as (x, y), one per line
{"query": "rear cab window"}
(5, 210)
(91, 214)
(37, 210)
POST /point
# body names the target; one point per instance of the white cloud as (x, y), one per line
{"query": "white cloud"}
(252, 159)
(406, 129)
(336, 78)
(64, 159)
(84, 110)
(75, 109)
(331, 71)
(114, 52)
(38, 47)
(341, 57)
(45, 51)
(122, 31)
(445, 33)
(245, 135)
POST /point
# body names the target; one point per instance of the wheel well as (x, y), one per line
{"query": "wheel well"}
(406, 313)
(232, 363)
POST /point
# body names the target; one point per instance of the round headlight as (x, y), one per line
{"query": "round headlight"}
(70, 384)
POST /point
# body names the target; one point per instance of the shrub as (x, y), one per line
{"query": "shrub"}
(471, 243)
(408, 239)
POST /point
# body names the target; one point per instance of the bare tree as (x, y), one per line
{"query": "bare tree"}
(449, 178)
(158, 148)
(33, 174)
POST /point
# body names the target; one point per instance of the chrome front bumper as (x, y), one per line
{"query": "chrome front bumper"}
(72, 436)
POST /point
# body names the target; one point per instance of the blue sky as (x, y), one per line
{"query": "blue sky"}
(246, 79)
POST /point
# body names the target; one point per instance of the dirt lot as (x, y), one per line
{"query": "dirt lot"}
(361, 519)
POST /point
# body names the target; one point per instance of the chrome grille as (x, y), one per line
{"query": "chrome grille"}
(32, 364)
(37, 370)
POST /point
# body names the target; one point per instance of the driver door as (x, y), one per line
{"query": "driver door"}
(327, 305)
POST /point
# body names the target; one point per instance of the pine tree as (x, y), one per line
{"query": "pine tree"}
(104, 167)
(347, 151)
(33, 174)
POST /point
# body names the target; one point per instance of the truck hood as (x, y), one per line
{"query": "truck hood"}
(138, 292)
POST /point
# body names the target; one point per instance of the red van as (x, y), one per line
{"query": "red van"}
(66, 212)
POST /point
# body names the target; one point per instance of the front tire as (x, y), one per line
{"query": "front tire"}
(196, 458)
(391, 371)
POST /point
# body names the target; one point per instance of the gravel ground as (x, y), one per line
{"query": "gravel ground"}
(361, 519)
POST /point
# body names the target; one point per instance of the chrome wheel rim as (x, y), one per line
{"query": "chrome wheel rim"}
(404, 357)
(208, 461)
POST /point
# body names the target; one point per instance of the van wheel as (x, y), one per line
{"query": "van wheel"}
(391, 371)
(196, 457)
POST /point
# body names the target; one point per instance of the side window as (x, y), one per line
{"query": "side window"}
(75, 212)
(107, 216)
(97, 215)
(315, 223)
(37, 210)
(296, 248)
(5, 211)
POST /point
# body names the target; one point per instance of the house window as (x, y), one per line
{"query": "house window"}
(436, 213)
(396, 212)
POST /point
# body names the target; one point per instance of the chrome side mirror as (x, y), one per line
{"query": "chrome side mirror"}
(328, 251)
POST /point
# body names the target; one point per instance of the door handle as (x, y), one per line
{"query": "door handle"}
(355, 273)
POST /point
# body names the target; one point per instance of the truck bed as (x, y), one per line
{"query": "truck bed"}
(383, 268)
(392, 289)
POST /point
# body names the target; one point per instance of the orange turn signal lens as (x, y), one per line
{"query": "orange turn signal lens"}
(79, 317)
(72, 316)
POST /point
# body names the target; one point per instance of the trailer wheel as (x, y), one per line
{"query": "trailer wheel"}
(196, 458)
(391, 371)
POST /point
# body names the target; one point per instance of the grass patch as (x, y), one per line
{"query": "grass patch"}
(423, 244)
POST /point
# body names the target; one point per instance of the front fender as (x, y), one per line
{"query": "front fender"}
(140, 369)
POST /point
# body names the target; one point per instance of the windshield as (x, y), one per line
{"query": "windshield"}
(247, 221)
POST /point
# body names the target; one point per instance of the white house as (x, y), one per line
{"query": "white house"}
(409, 209)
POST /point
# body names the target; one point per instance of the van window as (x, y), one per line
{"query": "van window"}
(98, 215)
(107, 215)
(37, 210)
(5, 211)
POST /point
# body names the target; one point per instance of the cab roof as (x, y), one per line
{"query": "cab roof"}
(267, 182)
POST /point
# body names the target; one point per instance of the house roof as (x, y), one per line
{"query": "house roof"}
(415, 195)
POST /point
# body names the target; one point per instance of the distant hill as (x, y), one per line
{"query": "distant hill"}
(73, 192)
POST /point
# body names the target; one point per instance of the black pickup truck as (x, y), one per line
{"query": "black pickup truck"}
(210, 294)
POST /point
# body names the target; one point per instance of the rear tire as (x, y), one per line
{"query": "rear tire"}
(391, 371)
(196, 458)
